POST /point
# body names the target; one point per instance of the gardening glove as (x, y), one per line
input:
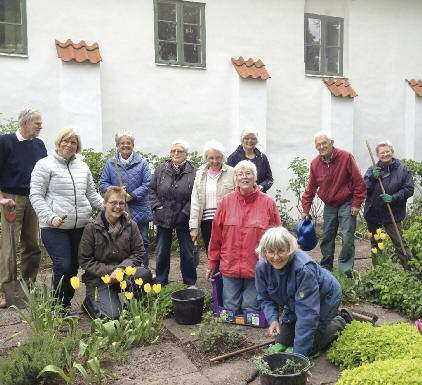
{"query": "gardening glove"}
(289, 349)
(386, 198)
(376, 171)
(276, 348)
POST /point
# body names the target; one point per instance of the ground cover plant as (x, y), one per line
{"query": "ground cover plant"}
(394, 371)
(362, 343)
(289, 367)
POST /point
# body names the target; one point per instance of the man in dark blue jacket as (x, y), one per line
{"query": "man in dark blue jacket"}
(398, 184)
(18, 154)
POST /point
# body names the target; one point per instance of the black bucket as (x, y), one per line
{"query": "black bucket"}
(188, 305)
(277, 360)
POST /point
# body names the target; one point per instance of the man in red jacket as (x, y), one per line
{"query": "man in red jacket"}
(335, 177)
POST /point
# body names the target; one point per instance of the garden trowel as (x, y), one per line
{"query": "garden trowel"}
(13, 288)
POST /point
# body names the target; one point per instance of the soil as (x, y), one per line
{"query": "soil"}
(176, 359)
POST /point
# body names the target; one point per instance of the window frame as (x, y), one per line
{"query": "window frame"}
(323, 44)
(23, 25)
(179, 34)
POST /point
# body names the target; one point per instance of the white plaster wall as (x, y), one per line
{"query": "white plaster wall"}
(418, 129)
(342, 123)
(409, 121)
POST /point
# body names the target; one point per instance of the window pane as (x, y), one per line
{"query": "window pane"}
(166, 11)
(312, 58)
(313, 31)
(191, 34)
(192, 53)
(333, 61)
(191, 14)
(333, 33)
(11, 38)
(167, 30)
(167, 51)
(10, 11)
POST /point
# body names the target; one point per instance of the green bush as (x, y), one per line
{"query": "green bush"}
(413, 237)
(8, 125)
(386, 285)
(362, 343)
(349, 285)
(397, 372)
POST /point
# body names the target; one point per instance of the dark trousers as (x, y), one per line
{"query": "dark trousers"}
(143, 229)
(206, 227)
(103, 301)
(395, 239)
(62, 246)
(187, 263)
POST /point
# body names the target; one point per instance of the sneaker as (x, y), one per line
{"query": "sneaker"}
(346, 314)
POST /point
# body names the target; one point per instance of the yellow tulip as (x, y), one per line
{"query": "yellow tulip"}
(128, 295)
(369, 235)
(123, 285)
(147, 288)
(156, 287)
(130, 270)
(75, 283)
(139, 281)
(376, 237)
(379, 231)
(106, 279)
(381, 246)
(383, 236)
(120, 275)
(374, 250)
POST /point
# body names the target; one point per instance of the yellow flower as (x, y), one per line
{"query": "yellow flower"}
(381, 246)
(128, 295)
(123, 285)
(376, 237)
(374, 250)
(147, 288)
(139, 281)
(106, 279)
(75, 283)
(156, 287)
(130, 270)
(369, 235)
(379, 231)
(120, 275)
(383, 236)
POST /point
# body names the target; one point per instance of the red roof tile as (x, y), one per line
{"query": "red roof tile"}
(340, 87)
(416, 86)
(79, 52)
(250, 68)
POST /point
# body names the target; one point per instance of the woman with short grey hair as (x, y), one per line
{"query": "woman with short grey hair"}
(288, 278)
(213, 181)
(248, 151)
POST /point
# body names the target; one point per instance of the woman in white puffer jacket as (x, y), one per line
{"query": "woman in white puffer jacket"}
(62, 193)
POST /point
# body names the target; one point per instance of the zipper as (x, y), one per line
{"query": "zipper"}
(74, 193)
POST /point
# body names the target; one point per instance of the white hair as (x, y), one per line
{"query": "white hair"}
(213, 145)
(182, 143)
(246, 165)
(385, 143)
(277, 239)
(122, 134)
(248, 131)
(323, 133)
(28, 114)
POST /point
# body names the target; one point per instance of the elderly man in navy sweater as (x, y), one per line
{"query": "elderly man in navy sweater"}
(18, 154)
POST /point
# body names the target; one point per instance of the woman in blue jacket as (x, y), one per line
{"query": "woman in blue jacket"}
(131, 170)
(398, 184)
(309, 295)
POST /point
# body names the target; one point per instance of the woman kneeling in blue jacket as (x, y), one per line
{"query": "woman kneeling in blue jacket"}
(309, 294)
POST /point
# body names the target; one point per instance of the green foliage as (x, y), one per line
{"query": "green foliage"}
(349, 285)
(24, 364)
(289, 367)
(362, 343)
(283, 210)
(164, 304)
(395, 371)
(8, 125)
(413, 237)
(386, 285)
(96, 161)
(217, 336)
(416, 169)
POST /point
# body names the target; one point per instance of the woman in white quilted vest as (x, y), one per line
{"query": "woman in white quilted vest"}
(62, 194)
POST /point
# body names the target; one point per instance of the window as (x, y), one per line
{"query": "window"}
(179, 32)
(323, 45)
(13, 27)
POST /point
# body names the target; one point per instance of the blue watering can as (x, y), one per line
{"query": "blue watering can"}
(306, 235)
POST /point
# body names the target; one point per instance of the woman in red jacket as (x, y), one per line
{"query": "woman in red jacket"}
(241, 219)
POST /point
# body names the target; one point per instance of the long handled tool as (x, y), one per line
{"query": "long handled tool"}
(12, 289)
(396, 229)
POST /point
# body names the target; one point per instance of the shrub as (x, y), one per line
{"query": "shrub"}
(413, 237)
(362, 343)
(8, 125)
(349, 285)
(388, 286)
(397, 372)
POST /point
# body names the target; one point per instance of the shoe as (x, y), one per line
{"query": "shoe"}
(346, 314)
(192, 287)
(3, 303)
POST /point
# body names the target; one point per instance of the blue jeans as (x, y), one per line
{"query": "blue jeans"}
(187, 264)
(333, 219)
(239, 294)
(62, 246)
(143, 229)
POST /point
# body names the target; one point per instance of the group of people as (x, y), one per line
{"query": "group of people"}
(224, 201)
